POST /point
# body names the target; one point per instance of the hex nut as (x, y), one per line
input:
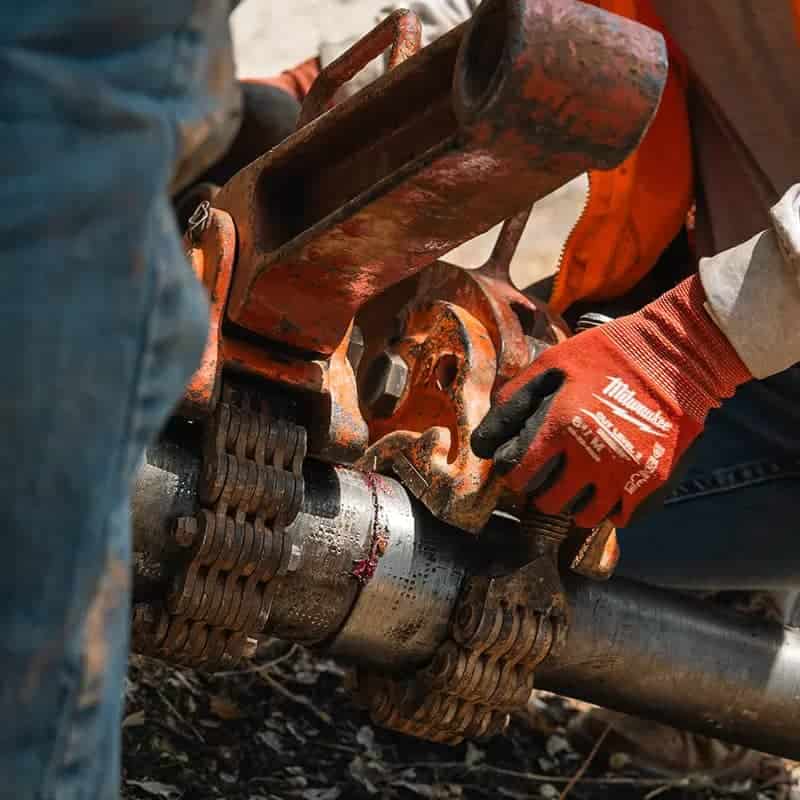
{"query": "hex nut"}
(385, 384)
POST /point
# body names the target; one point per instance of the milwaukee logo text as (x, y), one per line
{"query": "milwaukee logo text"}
(622, 398)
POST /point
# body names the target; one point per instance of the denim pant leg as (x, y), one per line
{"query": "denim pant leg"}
(733, 522)
(102, 322)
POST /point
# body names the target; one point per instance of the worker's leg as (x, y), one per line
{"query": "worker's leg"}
(733, 523)
(102, 322)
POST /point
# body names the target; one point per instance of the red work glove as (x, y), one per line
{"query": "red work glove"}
(598, 423)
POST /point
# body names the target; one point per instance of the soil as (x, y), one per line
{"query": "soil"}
(288, 729)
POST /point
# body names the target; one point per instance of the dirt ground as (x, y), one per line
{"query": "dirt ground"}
(288, 731)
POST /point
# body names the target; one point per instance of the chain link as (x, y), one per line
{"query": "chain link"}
(251, 488)
(502, 629)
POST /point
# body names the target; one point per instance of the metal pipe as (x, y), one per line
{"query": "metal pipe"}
(675, 659)
(164, 489)
(333, 531)
(403, 611)
(378, 576)
(630, 647)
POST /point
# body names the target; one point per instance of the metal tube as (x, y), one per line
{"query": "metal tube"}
(630, 647)
(378, 576)
(666, 657)
(165, 488)
(403, 612)
(333, 531)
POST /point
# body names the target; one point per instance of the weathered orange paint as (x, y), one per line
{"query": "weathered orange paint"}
(391, 179)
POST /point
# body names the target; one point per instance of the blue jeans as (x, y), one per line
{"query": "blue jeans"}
(103, 322)
(733, 522)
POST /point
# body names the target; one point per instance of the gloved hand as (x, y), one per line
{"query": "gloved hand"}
(597, 424)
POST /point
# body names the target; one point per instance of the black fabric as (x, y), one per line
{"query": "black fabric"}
(508, 430)
(269, 116)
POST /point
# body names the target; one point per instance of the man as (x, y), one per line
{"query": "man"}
(108, 107)
(613, 417)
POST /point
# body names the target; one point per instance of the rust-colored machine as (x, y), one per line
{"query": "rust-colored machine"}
(317, 482)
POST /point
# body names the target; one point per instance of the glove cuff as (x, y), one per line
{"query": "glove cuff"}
(680, 346)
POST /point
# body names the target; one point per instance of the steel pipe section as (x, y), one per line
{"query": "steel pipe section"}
(333, 532)
(378, 576)
(666, 657)
(403, 612)
(630, 647)
(164, 489)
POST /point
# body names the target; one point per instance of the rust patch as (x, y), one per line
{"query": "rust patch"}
(462, 335)
(400, 32)
(393, 178)
(364, 570)
(212, 259)
(425, 442)
(598, 555)
(339, 432)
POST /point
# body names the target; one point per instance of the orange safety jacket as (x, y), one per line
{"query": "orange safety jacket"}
(633, 212)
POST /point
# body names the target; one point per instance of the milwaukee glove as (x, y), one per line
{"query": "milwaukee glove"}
(598, 423)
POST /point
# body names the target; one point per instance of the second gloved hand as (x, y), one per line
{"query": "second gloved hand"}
(596, 424)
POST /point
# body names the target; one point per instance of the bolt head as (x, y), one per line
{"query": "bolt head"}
(385, 384)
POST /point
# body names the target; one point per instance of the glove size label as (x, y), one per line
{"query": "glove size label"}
(642, 476)
(590, 441)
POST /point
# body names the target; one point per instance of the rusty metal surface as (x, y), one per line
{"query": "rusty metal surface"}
(212, 257)
(250, 488)
(517, 325)
(498, 264)
(339, 432)
(396, 176)
(503, 627)
(598, 554)
(400, 33)
(448, 345)
(426, 441)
